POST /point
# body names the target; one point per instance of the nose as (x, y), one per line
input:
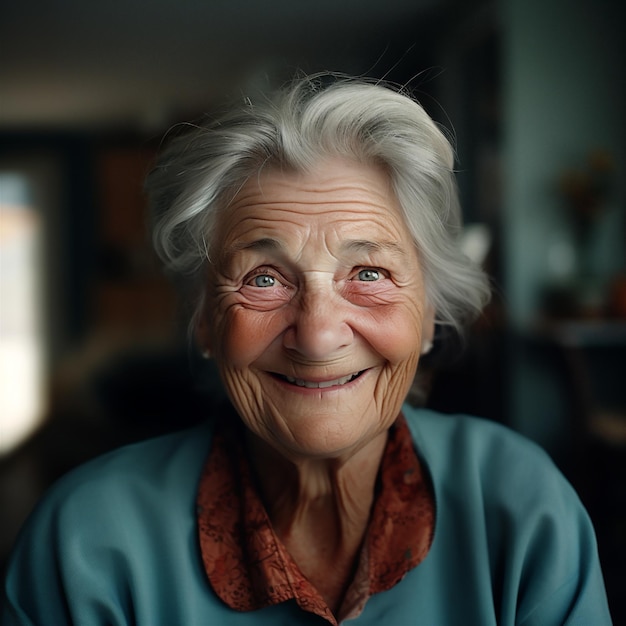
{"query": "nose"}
(320, 326)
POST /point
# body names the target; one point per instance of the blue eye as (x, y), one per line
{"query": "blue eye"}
(369, 275)
(264, 280)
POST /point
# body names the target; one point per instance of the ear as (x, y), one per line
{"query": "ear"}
(428, 329)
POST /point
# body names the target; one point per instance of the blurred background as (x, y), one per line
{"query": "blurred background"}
(93, 349)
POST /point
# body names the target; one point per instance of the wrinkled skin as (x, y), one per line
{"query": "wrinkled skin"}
(316, 278)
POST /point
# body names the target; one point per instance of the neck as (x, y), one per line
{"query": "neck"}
(320, 509)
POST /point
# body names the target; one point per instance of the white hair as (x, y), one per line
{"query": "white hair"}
(296, 127)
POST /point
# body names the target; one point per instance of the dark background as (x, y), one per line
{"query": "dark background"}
(532, 93)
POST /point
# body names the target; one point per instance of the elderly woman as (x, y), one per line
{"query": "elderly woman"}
(319, 227)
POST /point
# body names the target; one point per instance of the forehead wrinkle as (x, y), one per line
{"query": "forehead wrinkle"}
(280, 192)
(289, 205)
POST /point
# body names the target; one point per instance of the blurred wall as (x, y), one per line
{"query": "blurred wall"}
(564, 97)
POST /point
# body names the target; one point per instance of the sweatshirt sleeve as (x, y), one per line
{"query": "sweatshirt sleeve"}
(561, 580)
(545, 536)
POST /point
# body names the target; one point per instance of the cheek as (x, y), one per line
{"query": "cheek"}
(244, 335)
(396, 333)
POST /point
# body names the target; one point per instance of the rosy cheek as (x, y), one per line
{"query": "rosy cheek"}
(247, 334)
(402, 331)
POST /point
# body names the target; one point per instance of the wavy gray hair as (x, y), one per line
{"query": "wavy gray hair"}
(201, 171)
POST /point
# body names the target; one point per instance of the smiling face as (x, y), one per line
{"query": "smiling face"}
(315, 308)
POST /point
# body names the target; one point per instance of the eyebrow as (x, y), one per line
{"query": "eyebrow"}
(265, 243)
(373, 247)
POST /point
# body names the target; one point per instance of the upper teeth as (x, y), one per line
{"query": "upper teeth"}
(322, 385)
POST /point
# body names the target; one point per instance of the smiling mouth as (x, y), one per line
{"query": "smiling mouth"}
(309, 384)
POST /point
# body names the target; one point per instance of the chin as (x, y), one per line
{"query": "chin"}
(325, 435)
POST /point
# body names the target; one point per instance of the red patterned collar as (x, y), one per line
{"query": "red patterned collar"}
(249, 567)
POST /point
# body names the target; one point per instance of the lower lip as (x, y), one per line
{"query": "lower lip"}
(320, 390)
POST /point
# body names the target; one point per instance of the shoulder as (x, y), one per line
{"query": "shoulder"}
(108, 526)
(428, 425)
(511, 476)
(473, 460)
(503, 494)
(449, 443)
(152, 464)
(103, 499)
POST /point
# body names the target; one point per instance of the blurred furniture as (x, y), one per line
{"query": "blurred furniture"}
(132, 292)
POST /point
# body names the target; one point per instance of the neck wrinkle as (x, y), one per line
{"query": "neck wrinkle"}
(329, 497)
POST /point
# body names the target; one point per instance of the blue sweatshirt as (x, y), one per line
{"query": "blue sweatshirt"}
(115, 542)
